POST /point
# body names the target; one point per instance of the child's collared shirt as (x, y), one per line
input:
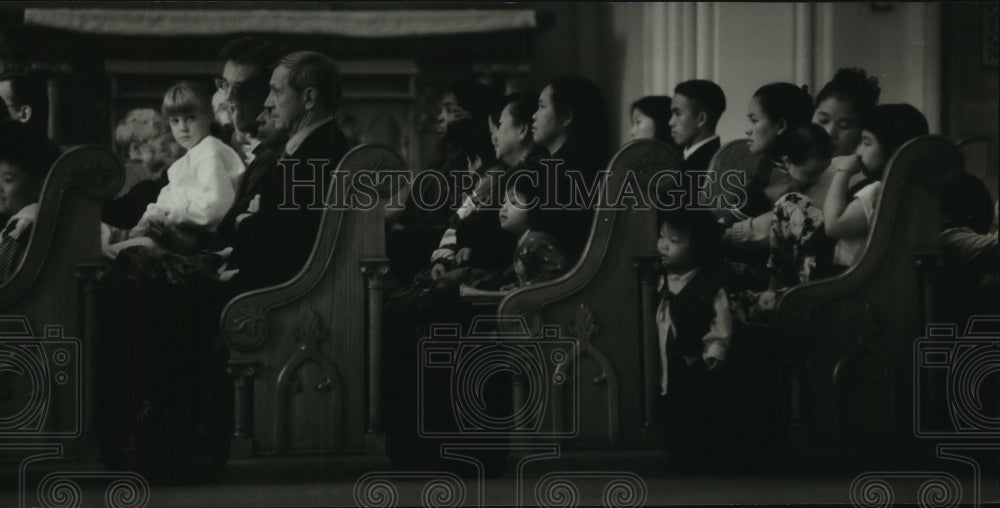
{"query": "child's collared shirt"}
(720, 328)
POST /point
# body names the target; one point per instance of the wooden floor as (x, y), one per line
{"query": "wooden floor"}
(340, 486)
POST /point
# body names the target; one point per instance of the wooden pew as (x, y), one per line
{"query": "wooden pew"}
(607, 303)
(848, 340)
(733, 156)
(304, 354)
(52, 294)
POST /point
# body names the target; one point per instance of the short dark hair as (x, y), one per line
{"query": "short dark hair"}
(27, 149)
(785, 102)
(854, 85)
(895, 124)
(657, 107)
(30, 90)
(707, 95)
(703, 231)
(313, 69)
(802, 142)
(250, 95)
(260, 54)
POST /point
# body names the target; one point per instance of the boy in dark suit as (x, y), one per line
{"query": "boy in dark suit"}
(697, 106)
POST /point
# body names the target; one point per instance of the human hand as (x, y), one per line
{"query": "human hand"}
(171, 236)
(462, 256)
(850, 164)
(437, 271)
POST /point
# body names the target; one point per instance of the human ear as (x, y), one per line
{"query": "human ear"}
(25, 113)
(782, 125)
(702, 119)
(523, 133)
(309, 98)
(568, 119)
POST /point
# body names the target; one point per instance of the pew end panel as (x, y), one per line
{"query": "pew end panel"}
(304, 355)
(848, 340)
(53, 295)
(607, 302)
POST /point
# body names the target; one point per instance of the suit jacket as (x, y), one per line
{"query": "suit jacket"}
(271, 245)
(702, 157)
(264, 161)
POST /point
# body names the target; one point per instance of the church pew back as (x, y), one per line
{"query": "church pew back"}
(606, 302)
(849, 339)
(301, 352)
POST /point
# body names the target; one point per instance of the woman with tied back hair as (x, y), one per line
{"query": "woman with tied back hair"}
(416, 229)
(650, 119)
(843, 104)
(773, 110)
(571, 123)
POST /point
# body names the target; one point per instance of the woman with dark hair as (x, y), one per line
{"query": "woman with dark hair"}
(650, 119)
(843, 104)
(571, 123)
(416, 229)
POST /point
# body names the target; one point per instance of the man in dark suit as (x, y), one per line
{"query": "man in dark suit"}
(695, 111)
(273, 223)
(273, 242)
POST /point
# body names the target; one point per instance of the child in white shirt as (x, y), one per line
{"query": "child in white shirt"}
(202, 184)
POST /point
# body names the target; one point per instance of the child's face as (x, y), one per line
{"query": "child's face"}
(675, 248)
(873, 159)
(762, 131)
(514, 213)
(189, 130)
(17, 189)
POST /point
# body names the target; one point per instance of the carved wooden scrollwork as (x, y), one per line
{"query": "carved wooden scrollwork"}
(584, 327)
(309, 333)
(247, 328)
(98, 173)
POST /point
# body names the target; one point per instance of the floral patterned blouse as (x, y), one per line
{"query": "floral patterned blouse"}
(539, 258)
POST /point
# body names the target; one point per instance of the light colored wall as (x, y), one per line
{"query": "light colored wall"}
(636, 49)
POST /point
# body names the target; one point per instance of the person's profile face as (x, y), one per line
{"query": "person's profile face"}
(643, 127)
(17, 189)
(684, 119)
(762, 131)
(283, 103)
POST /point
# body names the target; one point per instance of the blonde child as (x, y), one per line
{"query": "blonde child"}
(202, 184)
